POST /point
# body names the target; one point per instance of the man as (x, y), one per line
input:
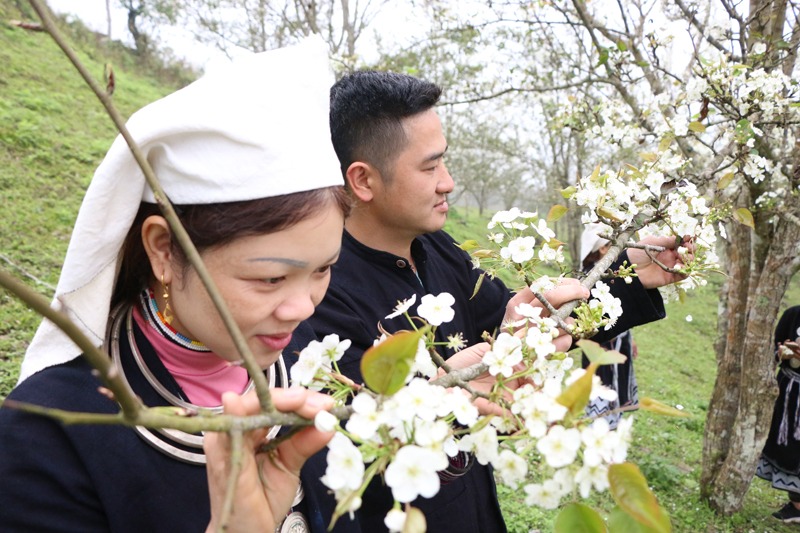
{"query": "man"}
(391, 147)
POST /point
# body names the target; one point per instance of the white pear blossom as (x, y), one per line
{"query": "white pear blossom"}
(596, 440)
(395, 520)
(546, 495)
(403, 306)
(412, 473)
(483, 443)
(591, 476)
(333, 348)
(345, 470)
(560, 446)
(510, 467)
(309, 362)
(544, 284)
(460, 405)
(437, 309)
(544, 232)
(366, 418)
(506, 352)
(423, 363)
(519, 250)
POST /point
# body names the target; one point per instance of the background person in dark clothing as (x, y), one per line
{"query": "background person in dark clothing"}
(780, 460)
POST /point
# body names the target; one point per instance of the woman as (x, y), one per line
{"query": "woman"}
(249, 165)
(780, 459)
(621, 377)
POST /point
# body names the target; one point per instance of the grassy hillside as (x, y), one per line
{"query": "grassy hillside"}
(53, 133)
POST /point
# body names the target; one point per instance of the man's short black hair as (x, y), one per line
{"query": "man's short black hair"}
(367, 108)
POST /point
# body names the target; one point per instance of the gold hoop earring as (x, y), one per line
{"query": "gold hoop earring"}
(166, 315)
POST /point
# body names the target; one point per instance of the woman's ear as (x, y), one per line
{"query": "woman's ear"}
(361, 178)
(157, 241)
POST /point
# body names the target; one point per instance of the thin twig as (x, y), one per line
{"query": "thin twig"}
(26, 273)
(237, 449)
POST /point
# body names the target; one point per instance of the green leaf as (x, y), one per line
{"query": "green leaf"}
(697, 127)
(603, 59)
(629, 489)
(478, 285)
(621, 522)
(568, 192)
(579, 518)
(654, 406)
(595, 353)
(607, 214)
(745, 217)
(621, 46)
(386, 365)
(556, 212)
(576, 396)
(665, 142)
(415, 521)
(633, 171)
(468, 245)
(650, 157)
(725, 180)
(743, 131)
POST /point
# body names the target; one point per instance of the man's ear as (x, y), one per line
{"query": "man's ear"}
(157, 241)
(361, 179)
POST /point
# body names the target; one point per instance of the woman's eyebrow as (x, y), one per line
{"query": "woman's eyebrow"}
(291, 262)
(284, 260)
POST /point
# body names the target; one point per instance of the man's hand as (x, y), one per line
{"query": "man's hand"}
(568, 289)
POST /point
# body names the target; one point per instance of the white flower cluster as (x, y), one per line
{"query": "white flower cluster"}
(316, 360)
(524, 241)
(754, 100)
(409, 437)
(654, 199)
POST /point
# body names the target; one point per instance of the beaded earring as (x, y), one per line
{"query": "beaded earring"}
(166, 315)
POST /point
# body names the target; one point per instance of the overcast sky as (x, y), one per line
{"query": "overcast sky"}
(93, 15)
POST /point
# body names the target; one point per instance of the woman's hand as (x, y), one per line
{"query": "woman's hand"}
(651, 274)
(267, 482)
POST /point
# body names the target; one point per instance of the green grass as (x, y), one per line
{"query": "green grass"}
(53, 133)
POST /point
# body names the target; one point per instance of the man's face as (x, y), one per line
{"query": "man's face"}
(414, 201)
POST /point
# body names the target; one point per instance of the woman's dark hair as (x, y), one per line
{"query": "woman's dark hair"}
(590, 260)
(211, 225)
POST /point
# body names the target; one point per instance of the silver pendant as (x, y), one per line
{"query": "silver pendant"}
(298, 496)
(295, 523)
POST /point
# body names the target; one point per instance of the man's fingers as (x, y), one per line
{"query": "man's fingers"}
(566, 293)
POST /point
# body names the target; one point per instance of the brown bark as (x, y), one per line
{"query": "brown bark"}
(725, 397)
(736, 432)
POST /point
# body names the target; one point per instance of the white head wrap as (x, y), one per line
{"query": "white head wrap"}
(255, 129)
(590, 240)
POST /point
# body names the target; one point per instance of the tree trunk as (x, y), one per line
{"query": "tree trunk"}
(744, 393)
